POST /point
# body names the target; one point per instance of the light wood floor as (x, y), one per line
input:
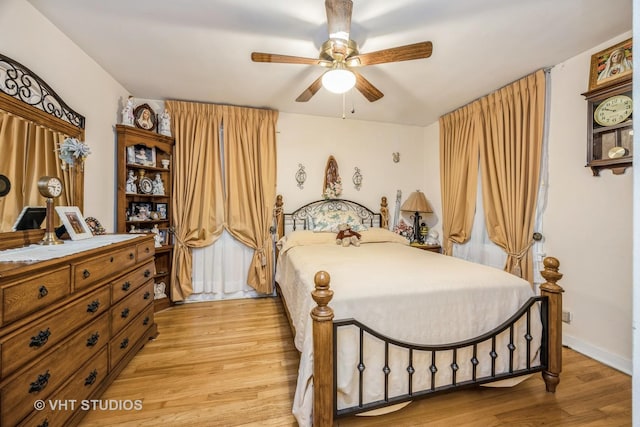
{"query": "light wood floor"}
(233, 363)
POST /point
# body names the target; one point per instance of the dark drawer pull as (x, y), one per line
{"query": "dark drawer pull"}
(91, 378)
(40, 339)
(45, 423)
(131, 255)
(147, 273)
(147, 295)
(93, 339)
(145, 322)
(125, 286)
(86, 273)
(111, 259)
(42, 291)
(93, 307)
(39, 384)
(147, 250)
(124, 343)
(125, 313)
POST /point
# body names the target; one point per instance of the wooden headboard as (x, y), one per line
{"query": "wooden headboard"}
(299, 218)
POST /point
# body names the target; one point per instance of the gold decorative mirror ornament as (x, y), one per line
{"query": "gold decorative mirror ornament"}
(50, 187)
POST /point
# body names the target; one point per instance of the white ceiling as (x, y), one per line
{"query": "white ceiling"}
(199, 50)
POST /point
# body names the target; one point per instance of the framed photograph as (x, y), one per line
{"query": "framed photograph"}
(141, 155)
(164, 237)
(144, 117)
(161, 209)
(74, 222)
(139, 211)
(611, 64)
(94, 225)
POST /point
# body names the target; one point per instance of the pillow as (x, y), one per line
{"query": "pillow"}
(328, 221)
(305, 238)
(381, 235)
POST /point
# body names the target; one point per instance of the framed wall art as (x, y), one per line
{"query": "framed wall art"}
(144, 117)
(74, 222)
(611, 65)
(141, 155)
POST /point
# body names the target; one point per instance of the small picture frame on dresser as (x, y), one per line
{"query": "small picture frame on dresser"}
(74, 222)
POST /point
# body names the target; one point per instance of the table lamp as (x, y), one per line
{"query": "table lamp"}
(416, 204)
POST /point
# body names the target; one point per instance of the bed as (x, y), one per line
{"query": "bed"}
(408, 323)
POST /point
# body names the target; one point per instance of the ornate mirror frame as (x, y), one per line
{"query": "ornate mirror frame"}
(24, 94)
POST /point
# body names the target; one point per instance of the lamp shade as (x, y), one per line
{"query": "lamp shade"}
(338, 79)
(416, 202)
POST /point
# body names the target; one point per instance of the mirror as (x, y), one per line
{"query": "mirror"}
(34, 120)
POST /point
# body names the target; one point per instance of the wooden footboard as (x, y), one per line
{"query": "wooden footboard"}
(324, 345)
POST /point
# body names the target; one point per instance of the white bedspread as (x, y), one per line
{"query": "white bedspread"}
(403, 292)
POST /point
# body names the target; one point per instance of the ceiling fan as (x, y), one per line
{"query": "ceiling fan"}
(340, 54)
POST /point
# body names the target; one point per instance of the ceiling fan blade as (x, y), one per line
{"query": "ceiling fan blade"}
(310, 91)
(366, 88)
(286, 59)
(395, 54)
(339, 19)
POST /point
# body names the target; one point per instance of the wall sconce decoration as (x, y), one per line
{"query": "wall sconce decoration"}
(396, 157)
(301, 176)
(357, 179)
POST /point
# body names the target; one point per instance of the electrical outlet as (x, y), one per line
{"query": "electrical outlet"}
(567, 316)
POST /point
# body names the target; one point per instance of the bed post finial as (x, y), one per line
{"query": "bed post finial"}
(553, 292)
(279, 214)
(322, 316)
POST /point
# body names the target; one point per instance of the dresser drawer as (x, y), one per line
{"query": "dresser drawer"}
(41, 379)
(130, 307)
(125, 340)
(91, 271)
(132, 281)
(29, 295)
(81, 386)
(145, 250)
(43, 334)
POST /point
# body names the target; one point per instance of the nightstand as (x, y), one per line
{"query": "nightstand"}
(432, 248)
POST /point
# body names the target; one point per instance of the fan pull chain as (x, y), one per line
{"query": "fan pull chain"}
(344, 100)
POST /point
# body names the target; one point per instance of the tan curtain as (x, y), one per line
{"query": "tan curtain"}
(510, 157)
(460, 132)
(198, 202)
(250, 182)
(28, 153)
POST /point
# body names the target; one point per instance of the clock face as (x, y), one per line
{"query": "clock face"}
(50, 186)
(613, 110)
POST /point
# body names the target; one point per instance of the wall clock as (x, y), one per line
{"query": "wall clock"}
(50, 187)
(613, 110)
(610, 128)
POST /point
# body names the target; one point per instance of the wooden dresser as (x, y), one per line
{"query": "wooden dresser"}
(68, 326)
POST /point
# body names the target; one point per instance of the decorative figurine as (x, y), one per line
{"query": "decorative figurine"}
(165, 123)
(158, 186)
(127, 112)
(131, 183)
(159, 290)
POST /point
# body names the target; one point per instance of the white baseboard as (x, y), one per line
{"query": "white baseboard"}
(603, 356)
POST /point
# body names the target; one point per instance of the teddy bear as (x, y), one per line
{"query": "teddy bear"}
(346, 236)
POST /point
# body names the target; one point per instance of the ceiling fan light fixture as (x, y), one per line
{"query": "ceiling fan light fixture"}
(338, 79)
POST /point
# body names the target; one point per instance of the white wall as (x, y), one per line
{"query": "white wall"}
(310, 140)
(27, 37)
(588, 224)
